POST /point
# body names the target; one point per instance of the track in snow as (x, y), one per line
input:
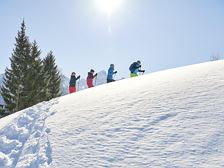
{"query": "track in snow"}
(24, 142)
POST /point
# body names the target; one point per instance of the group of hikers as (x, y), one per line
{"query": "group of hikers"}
(134, 68)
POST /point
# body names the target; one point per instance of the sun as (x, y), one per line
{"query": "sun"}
(108, 6)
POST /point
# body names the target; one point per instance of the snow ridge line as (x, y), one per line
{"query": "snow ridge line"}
(24, 142)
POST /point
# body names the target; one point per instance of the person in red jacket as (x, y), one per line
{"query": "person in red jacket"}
(90, 78)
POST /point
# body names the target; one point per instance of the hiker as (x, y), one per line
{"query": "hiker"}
(72, 83)
(90, 78)
(135, 67)
(110, 74)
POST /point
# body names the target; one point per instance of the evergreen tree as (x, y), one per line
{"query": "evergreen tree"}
(34, 77)
(29, 80)
(52, 77)
(2, 113)
(13, 88)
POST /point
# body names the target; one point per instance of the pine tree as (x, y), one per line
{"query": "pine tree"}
(52, 77)
(35, 77)
(2, 111)
(13, 88)
(29, 80)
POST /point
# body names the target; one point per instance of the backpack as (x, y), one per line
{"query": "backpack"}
(132, 67)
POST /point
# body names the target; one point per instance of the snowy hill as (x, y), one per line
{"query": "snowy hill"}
(172, 118)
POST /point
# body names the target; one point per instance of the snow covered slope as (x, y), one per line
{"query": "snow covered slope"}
(172, 118)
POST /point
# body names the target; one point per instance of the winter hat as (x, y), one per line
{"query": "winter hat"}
(73, 73)
(111, 65)
(139, 62)
(91, 70)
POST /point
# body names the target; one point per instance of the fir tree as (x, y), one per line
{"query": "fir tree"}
(52, 77)
(2, 113)
(29, 80)
(13, 88)
(34, 77)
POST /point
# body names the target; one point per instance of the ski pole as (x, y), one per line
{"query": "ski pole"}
(140, 70)
(115, 75)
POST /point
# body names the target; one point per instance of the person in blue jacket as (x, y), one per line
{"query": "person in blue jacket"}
(110, 74)
(135, 67)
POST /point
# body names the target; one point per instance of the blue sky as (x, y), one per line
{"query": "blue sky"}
(161, 33)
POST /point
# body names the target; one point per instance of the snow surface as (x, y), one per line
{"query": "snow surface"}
(172, 118)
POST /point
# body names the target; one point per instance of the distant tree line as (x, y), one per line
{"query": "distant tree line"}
(29, 80)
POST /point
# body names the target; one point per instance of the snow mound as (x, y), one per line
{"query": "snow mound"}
(171, 118)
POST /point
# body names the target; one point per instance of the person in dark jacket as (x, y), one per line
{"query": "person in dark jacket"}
(135, 68)
(72, 83)
(90, 78)
(110, 74)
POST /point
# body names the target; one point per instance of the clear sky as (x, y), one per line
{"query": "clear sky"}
(161, 33)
